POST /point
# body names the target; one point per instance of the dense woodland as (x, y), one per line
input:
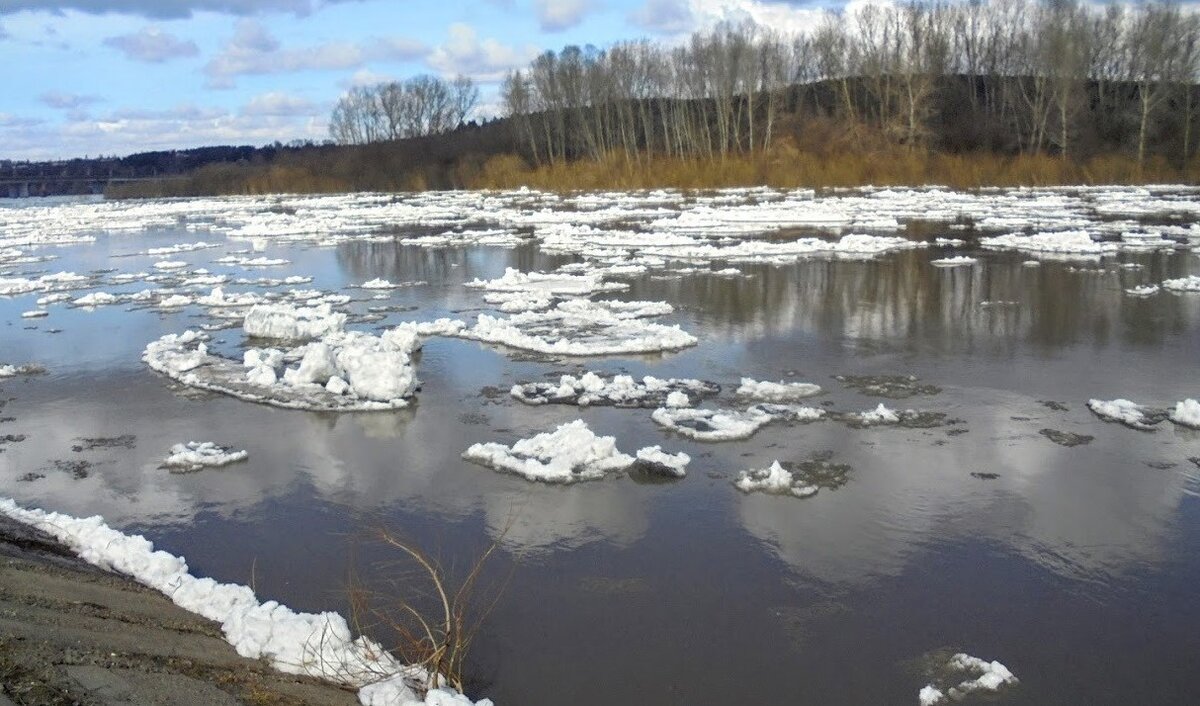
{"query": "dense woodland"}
(989, 92)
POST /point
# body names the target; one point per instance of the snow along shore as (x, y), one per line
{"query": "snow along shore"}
(312, 644)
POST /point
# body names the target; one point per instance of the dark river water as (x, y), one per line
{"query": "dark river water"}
(1077, 567)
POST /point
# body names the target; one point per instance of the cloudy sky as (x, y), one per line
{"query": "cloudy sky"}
(89, 77)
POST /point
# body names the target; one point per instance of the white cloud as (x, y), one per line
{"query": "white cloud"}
(253, 50)
(168, 9)
(152, 45)
(66, 101)
(277, 103)
(484, 60)
(665, 16)
(557, 15)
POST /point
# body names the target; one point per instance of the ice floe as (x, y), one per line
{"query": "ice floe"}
(318, 645)
(581, 328)
(654, 460)
(959, 261)
(620, 391)
(1187, 413)
(344, 371)
(570, 453)
(547, 283)
(1190, 283)
(775, 480)
(730, 424)
(777, 391)
(292, 323)
(11, 371)
(984, 676)
(1122, 411)
(196, 455)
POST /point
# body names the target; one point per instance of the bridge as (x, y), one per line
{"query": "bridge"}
(44, 185)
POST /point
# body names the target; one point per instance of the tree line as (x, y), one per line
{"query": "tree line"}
(417, 107)
(1012, 76)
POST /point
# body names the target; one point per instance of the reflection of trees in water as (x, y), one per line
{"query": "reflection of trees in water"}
(405, 263)
(902, 299)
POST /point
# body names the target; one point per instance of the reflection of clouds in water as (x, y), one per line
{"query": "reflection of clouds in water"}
(366, 461)
(1071, 510)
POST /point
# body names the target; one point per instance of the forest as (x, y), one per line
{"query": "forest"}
(988, 92)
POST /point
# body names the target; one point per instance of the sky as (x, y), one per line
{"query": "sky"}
(113, 77)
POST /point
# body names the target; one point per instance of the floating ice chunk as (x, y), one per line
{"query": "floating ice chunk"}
(182, 247)
(11, 371)
(35, 314)
(580, 327)
(195, 455)
(988, 676)
(879, 415)
(513, 302)
(96, 299)
(959, 261)
(170, 265)
(776, 480)
(376, 372)
(1187, 413)
(621, 391)
(1124, 412)
(243, 261)
(1190, 283)
(318, 645)
(1076, 242)
(379, 283)
(1143, 290)
(730, 424)
(949, 242)
(218, 299)
(777, 391)
(174, 301)
(677, 399)
(655, 459)
(570, 453)
(286, 322)
(53, 299)
(547, 283)
(930, 695)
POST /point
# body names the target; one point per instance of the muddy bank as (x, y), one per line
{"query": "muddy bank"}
(73, 634)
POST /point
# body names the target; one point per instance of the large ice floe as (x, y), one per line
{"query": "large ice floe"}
(312, 644)
(197, 455)
(730, 424)
(579, 327)
(1190, 283)
(983, 676)
(343, 371)
(570, 453)
(619, 391)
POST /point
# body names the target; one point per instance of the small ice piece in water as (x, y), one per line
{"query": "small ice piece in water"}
(959, 261)
(655, 459)
(777, 391)
(195, 455)
(379, 283)
(879, 415)
(96, 299)
(569, 453)
(35, 314)
(170, 265)
(1187, 413)
(1122, 411)
(678, 399)
(987, 676)
(174, 301)
(1190, 283)
(1143, 290)
(776, 480)
(547, 283)
(291, 323)
(11, 371)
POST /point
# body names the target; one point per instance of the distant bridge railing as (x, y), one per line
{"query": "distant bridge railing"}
(21, 187)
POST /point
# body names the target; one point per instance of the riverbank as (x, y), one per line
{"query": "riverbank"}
(71, 633)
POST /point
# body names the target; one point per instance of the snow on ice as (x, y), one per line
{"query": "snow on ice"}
(195, 455)
(570, 453)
